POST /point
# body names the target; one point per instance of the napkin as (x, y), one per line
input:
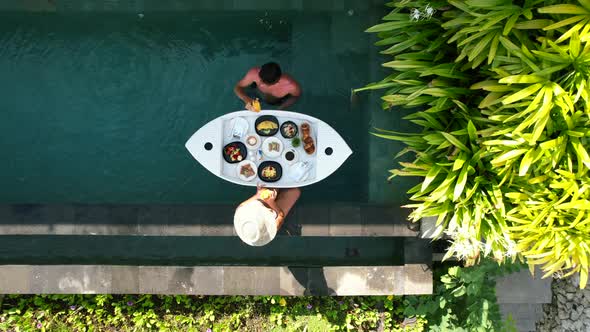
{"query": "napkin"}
(299, 171)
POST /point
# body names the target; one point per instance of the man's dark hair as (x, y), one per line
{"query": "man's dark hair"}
(270, 73)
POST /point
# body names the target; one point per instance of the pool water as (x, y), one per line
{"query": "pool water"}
(96, 107)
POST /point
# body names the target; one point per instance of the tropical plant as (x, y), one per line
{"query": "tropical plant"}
(463, 300)
(500, 89)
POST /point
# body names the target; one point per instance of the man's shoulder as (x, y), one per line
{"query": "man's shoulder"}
(254, 70)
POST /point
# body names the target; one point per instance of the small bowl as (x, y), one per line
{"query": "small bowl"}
(290, 152)
(252, 136)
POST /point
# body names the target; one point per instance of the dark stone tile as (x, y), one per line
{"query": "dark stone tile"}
(123, 214)
(153, 219)
(27, 213)
(217, 220)
(15, 279)
(345, 220)
(379, 220)
(125, 280)
(58, 214)
(417, 251)
(313, 214)
(91, 214)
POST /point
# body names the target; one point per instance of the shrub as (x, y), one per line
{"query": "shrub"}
(500, 89)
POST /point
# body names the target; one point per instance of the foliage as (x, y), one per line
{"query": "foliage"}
(198, 313)
(464, 300)
(500, 89)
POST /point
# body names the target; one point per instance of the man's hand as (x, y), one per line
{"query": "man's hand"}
(253, 105)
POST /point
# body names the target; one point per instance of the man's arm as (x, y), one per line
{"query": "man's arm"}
(246, 81)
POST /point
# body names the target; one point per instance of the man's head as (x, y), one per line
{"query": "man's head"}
(270, 73)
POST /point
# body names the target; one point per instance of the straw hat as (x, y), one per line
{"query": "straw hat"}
(255, 223)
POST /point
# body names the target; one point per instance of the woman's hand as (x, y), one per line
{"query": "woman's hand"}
(266, 194)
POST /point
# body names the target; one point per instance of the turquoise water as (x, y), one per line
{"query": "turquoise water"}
(96, 108)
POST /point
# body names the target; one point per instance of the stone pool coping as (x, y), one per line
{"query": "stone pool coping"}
(215, 280)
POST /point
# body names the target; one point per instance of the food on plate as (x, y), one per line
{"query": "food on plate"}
(266, 127)
(252, 140)
(247, 171)
(305, 129)
(234, 152)
(274, 146)
(308, 143)
(296, 142)
(289, 129)
(269, 172)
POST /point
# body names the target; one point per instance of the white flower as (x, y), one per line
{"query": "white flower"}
(429, 11)
(415, 15)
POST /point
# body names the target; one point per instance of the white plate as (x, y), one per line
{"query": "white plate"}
(267, 152)
(255, 146)
(290, 162)
(254, 168)
(238, 127)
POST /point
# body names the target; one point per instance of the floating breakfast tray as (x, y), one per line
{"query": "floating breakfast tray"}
(207, 147)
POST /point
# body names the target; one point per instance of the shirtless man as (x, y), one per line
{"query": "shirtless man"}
(274, 87)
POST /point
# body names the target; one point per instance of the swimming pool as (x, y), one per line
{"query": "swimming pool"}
(97, 106)
(99, 97)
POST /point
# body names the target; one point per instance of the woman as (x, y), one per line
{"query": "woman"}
(258, 219)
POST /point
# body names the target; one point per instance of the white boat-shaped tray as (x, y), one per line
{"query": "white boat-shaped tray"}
(207, 143)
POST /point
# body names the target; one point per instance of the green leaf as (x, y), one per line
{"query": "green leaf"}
(532, 24)
(526, 162)
(406, 64)
(508, 155)
(563, 9)
(575, 44)
(471, 130)
(430, 176)
(567, 21)
(453, 140)
(521, 79)
(493, 48)
(461, 181)
(510, 24)
(522, 94)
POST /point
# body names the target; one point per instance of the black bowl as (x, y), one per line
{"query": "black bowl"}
(294, 125)
(266, 118)
(276, 165)
(239, 145)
